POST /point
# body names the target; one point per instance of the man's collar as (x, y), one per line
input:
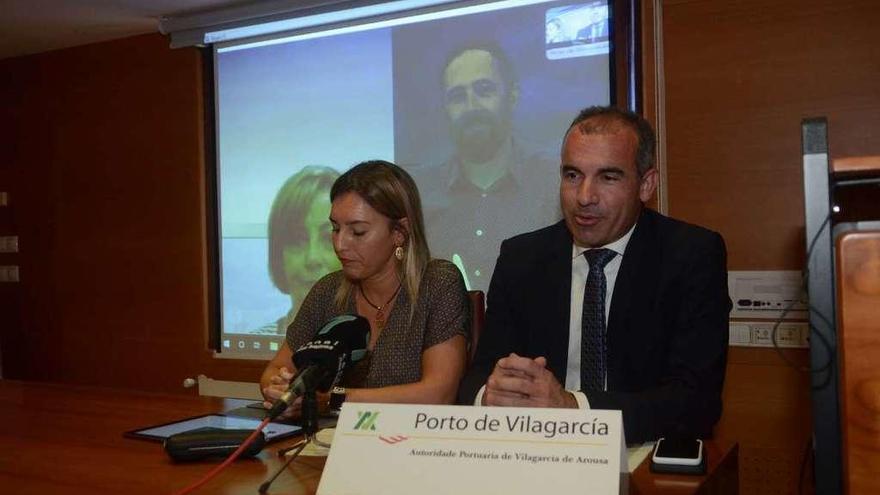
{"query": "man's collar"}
(508, 153)
(618, 246)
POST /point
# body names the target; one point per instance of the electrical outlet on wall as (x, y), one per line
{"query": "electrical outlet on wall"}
(9, 273)
(788, 335)
(760, 334)
(9, 244)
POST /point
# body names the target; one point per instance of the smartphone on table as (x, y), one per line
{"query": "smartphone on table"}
(679, 456)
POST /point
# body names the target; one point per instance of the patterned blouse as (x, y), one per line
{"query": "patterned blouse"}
(442, 312)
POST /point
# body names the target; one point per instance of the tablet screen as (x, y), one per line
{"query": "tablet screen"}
(273, 431)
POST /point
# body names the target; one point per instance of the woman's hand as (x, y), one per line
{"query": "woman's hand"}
(276, 380)
(278, 385)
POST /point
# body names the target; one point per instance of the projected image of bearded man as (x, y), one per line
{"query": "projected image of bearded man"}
(490, 188)
(479, 105)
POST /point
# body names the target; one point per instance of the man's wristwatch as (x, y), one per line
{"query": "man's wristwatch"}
(337, 397)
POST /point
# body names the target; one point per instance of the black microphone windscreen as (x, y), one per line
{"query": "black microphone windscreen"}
(345, 335)
(209, 442)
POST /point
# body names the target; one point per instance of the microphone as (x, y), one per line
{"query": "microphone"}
(321, 361)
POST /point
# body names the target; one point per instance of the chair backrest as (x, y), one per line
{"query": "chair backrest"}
(478, 318)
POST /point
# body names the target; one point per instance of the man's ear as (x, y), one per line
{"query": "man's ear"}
(648, 184)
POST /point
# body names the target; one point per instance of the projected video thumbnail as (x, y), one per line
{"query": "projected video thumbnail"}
(579, 30)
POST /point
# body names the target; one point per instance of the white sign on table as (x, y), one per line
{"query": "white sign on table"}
(404, 449)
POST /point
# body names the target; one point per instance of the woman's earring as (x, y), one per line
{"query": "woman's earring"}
(398, 253)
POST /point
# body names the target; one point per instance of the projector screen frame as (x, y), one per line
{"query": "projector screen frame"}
(625, 91)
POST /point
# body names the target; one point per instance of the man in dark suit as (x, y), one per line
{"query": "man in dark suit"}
(616, 306)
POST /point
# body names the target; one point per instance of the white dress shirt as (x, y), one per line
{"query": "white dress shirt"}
(580, 268)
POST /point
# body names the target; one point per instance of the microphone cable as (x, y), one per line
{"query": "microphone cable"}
(232, 457)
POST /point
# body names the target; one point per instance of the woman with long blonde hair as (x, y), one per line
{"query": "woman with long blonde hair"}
(417, 307)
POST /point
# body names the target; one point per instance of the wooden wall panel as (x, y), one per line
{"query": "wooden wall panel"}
(767, 410)
(107, 178)
(858, 292)
(649, 93)
(740, 76)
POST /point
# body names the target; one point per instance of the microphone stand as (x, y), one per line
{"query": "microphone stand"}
(310, 413)
(310, 429)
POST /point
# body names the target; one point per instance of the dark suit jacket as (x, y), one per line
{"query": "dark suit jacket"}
(667, 328)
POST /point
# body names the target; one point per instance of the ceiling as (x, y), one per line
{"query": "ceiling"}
(34, 26)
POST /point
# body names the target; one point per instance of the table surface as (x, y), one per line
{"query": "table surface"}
(68, 438)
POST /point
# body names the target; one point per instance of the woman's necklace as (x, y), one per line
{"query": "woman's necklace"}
(380, 314)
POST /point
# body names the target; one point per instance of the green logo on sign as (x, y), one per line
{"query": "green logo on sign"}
(366, 420)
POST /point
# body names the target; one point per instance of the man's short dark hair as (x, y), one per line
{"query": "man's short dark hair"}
(505, 67)
(604, 119)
